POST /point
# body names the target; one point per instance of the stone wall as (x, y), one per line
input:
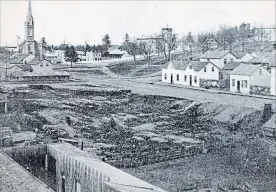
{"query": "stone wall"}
(259, 90)
(78, 171)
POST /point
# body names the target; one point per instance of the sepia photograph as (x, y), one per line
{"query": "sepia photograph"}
(137, 96)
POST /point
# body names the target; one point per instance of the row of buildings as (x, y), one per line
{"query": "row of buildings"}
(244, 72)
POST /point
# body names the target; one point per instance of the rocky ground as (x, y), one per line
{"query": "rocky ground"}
(178, 139)
(142, 129)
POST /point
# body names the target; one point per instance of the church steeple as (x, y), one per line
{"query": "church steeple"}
(29, 18)
(29, 24)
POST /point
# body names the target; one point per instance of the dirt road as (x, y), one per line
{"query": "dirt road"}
(179, 92)
(196, 95)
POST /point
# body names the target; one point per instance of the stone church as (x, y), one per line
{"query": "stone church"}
(29, 45)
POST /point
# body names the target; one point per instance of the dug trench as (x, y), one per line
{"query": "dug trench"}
(176, 144)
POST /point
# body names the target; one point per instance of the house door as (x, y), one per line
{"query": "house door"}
(171, 78)
(238, 86)
(63, 183)
(191, 80)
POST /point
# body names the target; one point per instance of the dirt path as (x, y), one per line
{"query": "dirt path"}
(196, 95)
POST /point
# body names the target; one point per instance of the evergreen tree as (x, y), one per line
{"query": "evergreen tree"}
(71, 54)
(106, 41)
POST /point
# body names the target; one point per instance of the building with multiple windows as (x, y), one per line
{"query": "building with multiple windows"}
(250, 79)
(191, 73)
(219, 58)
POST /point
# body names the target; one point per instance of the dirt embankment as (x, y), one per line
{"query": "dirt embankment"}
(142, 129)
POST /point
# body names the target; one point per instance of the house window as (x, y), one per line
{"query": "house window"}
(260, 72)
(47, 65)
(231, 59)
(41, 65)
(165, 76)
(242, 83)
(213, 69)
(190, 66)
(233, 82)
(185, 78)
(225, 61)
(205, 69)
(245, 83)
(195, 79)
(177, 77)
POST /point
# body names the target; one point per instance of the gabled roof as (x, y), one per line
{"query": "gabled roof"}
(214, 54)
(231, 65)
(177, 64)
(36, 61)
(18, 58)
(245, 69)
(240, 55)
(197, 65)
(260, 59)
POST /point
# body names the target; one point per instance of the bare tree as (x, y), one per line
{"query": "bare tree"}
(147, 48)
(226, 36)
(169, 43)
(201, 41)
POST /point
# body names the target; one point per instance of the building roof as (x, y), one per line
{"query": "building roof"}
(177, 64)
(181, 65)
(271, 123)
(245, 69)
(240, 55)
(197, 65)
(116, 52)
(231, 65)
(259, 60)
(14, 178)
(272, 59)
(35, 61)
(18, 58)
(214, 54)
(113, 47)
(46, 74)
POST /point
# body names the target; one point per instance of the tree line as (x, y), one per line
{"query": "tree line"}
(225, 38)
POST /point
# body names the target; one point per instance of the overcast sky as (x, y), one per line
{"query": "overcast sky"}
(77, 21)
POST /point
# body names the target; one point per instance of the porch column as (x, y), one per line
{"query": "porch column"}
(46, 162)
(6, 104)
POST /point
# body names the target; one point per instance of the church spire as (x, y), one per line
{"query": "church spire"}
(29, 18)
(30, 8)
